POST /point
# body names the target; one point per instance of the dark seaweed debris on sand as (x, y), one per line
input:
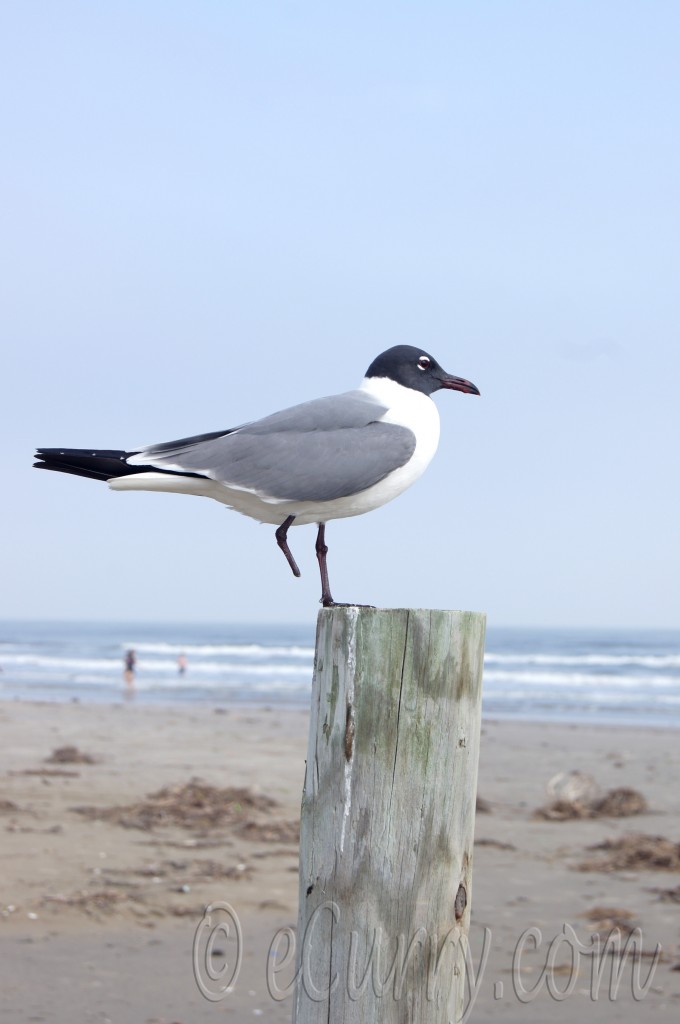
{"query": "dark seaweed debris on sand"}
(605, 919)
(621, 802)
(668, 895)
(70, 755)
(271, 831)
(636, 852)
(195, 804)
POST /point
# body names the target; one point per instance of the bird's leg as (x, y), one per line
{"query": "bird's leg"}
(326, 596)
(282, 541)
(321, 552)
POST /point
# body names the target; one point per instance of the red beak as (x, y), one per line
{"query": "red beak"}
(459, 384)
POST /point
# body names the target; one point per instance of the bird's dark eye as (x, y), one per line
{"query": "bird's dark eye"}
(423, 363)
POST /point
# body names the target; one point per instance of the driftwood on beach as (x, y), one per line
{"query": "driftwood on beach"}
(388, 816)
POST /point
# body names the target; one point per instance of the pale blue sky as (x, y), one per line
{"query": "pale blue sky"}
(212, 210)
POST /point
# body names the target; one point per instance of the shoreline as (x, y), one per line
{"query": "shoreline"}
(142, 699)
(111, 901)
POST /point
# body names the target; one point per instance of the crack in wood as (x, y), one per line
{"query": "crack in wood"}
(349, 732)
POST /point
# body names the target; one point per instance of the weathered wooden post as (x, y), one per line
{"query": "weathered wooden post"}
(388, 815)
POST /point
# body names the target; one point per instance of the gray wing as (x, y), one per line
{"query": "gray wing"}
(320, 450)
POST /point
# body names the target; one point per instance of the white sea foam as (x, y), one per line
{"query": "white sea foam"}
(234, 650)
(224, 684)
(57, 662)
(160, 666)
(567, 679)
(157, 666)
(608, 660)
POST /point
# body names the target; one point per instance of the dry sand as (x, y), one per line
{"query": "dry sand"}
(99, 910)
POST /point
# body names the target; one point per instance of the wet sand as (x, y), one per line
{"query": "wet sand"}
(98, 910)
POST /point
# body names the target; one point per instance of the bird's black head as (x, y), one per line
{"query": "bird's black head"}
(417, 369)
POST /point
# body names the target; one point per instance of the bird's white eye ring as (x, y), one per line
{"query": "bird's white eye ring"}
(423, 363)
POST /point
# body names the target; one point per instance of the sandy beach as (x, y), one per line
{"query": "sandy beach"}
(112, 850)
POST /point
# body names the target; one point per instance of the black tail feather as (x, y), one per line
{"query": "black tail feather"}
(95, 465)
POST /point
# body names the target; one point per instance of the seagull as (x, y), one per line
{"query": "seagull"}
(326, 459)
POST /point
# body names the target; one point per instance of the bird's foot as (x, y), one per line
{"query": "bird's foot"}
(344, 604)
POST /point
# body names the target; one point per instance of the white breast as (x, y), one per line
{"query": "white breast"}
(412, 409)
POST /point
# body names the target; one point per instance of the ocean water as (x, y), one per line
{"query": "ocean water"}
(630, 677)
